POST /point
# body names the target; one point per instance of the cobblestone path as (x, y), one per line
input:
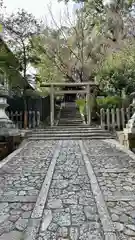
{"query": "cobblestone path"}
(115, 172)
(68, 190)
(20, 182)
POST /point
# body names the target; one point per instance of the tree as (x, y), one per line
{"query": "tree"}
(19, 30)
(76, 52)
(118, 71)
(109, 27)
(44, 50)
(51, 48)
(87, 39)
(109, 15)
(1, 15)
(68, 49)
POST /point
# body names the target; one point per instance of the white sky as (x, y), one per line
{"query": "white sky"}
(39, 8)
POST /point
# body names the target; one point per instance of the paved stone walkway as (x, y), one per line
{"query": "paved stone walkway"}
(68, 190)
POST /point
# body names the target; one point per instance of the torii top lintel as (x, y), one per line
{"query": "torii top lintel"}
(69, 84)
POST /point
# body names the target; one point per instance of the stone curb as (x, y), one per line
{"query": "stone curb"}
(36, 217)
(106, 221)
(13, 154)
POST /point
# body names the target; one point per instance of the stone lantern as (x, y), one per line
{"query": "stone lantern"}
(130, 126)
(5, 122)
(8, 132)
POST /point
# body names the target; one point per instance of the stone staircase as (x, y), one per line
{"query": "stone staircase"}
(70, 127)
(70, 115)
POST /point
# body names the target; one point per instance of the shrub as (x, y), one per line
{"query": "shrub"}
(110, 102)
(81, 105)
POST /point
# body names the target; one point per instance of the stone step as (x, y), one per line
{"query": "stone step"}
(70, 118)
(82, 130)
(69, 137)
(82, 126)
(70, 113)
(60, 135)
(69, 128)
(70, 124)
(70, 121)
(70, 134)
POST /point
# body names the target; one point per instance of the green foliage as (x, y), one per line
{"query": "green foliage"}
(19, 28)
(81, 105)
(76, 51)
(118, 71)
(102, 29)
(45, 59)
(1, 28)
(110, 102)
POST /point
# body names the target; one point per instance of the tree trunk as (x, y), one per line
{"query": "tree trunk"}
(25, 78)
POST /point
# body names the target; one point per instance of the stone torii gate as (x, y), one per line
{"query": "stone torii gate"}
(87, 86)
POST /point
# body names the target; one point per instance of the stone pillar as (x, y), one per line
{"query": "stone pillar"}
(88, 105)
(52, 105)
